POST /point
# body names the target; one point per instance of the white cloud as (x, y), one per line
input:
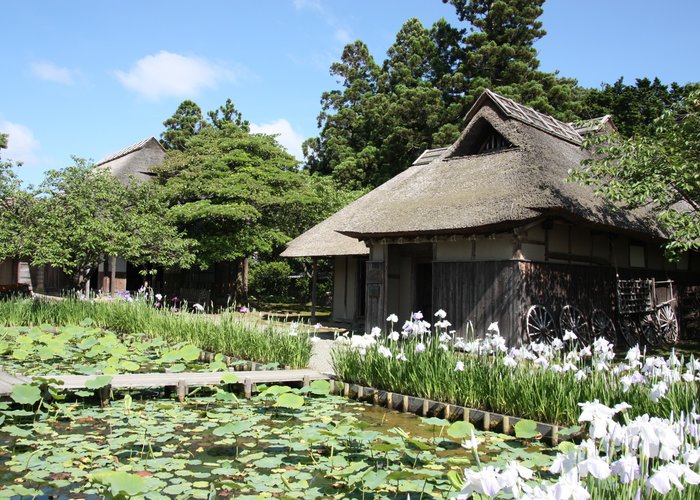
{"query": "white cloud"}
(21, 143)
(343, 36)
(286, 135)
(308, 4)
(166, 74)
(52, 73)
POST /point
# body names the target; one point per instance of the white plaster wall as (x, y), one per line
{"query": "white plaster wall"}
(559, 238)
(580, 241)
(532, 251)
(601, 246)
(496, 249)
(453, 251)
(377, 253)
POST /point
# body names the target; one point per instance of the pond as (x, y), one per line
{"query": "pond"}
(291, 443)
(85, 350)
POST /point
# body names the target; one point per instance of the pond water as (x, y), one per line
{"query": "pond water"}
(216, 446)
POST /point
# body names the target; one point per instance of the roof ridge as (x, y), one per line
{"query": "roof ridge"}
(532, 117)
(129, 149)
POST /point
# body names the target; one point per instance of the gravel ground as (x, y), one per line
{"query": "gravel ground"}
(321, 355)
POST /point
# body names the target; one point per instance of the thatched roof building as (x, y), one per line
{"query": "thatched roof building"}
(135, 161)
(487, 227)
(463, 189)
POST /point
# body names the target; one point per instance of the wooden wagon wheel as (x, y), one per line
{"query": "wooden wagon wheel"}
(603, 326)
(571, 318)
(650, 330)
(668, 323)
(629, 330)
(540, 324)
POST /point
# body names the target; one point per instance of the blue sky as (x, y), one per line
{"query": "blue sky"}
(89, 78)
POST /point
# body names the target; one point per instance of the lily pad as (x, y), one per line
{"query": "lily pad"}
(98, 382)
(121, 483)
(26, 394)
(460, 429)
(289, 400)
(526, 429)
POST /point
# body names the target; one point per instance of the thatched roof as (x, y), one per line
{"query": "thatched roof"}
(135, 161)
(463, 191)
(324, 240)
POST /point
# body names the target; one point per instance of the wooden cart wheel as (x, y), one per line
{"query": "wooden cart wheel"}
(540, 324)
(650, 330)
(629, 331)
(603, 326)
(571, 318)
(668, 323)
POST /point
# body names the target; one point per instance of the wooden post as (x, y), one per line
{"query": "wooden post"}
(112, 273)
(247, 388)
(506, 424)
(305, 381)
(104, 393)
(314, 288)
(181, 390)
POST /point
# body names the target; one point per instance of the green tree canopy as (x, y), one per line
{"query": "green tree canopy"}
(82, 214)
(14, 203)
(660, 170)
(634, 107)
(185, 123)
(384, 116)
(227, 190)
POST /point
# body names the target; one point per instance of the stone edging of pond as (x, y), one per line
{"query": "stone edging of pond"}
(481, 419)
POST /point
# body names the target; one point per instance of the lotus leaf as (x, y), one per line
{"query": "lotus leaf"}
(460, 429)
(289, 400)
(26, 394)
(233, 428)
(98, 382)
(526, 429)
(189, 352)
(230, 378)
(15, 431)
(435, 422)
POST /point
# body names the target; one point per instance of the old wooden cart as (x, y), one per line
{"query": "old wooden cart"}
(646, 311)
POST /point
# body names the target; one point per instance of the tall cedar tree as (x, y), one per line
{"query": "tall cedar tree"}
(384, 116)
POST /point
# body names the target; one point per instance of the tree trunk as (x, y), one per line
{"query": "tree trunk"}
(244, 281)
(112, 273)
(314, 288)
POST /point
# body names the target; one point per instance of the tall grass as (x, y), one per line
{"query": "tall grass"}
(487, 383)
(229, 334)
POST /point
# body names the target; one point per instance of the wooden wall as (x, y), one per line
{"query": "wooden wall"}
(480, 292)
(556, 285)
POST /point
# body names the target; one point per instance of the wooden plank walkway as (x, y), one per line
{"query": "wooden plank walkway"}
(7, 382)
(181, 380)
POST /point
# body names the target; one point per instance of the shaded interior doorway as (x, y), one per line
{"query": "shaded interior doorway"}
(423, 292)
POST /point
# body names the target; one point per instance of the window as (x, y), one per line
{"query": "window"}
(637, 255)
(493, 142)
